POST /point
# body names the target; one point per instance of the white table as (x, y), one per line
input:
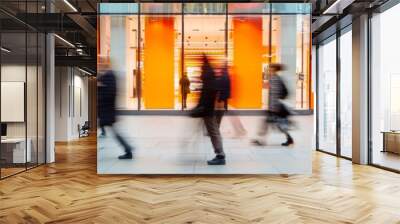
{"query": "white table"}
(19, 155)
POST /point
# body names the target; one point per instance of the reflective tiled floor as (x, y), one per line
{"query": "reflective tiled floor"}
(178, 145)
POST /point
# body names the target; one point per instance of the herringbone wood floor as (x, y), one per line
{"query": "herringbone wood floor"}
(70, 191)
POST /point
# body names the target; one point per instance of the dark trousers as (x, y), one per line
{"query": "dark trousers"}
(103, 130)
(118, 137)
(278, 121)
(212, 124)
(218, 116)
(184, 99)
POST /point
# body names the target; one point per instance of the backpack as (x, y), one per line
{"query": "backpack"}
(285, 92)
(224, 87)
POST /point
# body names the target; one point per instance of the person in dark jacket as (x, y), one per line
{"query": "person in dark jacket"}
(223, 88)
(277, 113)
(224, 85)
(185, 89)
(107, 90)
(206, 110)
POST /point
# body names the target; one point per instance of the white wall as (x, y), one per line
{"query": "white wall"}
(62, 81)
(80, 105)
(71, 102)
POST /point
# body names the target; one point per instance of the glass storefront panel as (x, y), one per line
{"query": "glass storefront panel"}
(203, 35)
(118, 8)
(207, 28)
(267, 45)
(346, 93)
(327, 96)
(118, 43)
(247, 8)
(204, 8)
(246, 55)
(171, 46)
(385, 88)
(292, 8)
(291, 40)
(303, 68)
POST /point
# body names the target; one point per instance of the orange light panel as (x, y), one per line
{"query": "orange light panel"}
(158, 77)
(247, 63)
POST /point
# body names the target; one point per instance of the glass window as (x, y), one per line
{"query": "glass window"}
(204, 8)
(346, 93)
(118, 8)
(251, 55)
(248, 57)
(22, 88)
(290, 38)
(118, 43)
(293, 8)
(15, 149)
(385, 89)
(204, 34)
(32, 97)
(327, 96)
(161, 8)
(32, 86)
(247, 8)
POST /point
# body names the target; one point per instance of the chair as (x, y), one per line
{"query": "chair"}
(84, 130)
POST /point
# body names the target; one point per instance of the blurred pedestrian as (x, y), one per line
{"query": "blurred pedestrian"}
(238, 128)
(206, 110)
(223, 88)
(277, 113)
(185, 89)
(107, 91)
